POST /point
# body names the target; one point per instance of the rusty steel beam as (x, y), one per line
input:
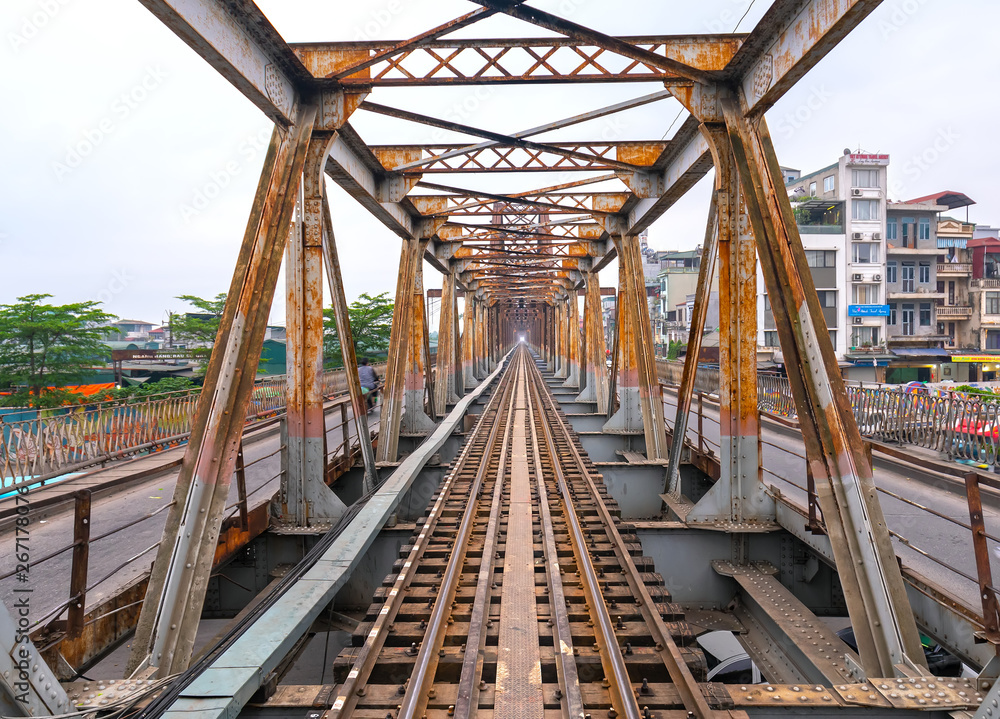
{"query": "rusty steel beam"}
(514, 60)
(239, 41)
(359, 406)
(167, 626)
(876, 598)
(788, 41)
(548, 127)
(738, 501)
(671, 66)
(595, 347)
(489, 135)
(305, 498)
(706, 271)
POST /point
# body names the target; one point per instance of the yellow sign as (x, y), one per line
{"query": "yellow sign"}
(975, 358)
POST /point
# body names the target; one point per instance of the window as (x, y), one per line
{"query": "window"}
(993, 339)
(993, 303)
(907, 320)
(827, 298)
(891, 229)
(890, 272)
(833, 338)
(925, 273)
(767, 304)
(828, 183)
(924, 229)
(866, 294)
(864, 178)
(925, 314)
(821, 258)
(812, 189)
(908, 277)
(864, 209)
(865, 253)
(864, 336)
(892, 315)
(771, 339)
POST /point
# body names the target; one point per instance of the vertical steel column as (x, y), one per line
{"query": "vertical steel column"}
(395, 371)
(176, 592)
(738, 500)
(444, 387)
(480, 339)
(883, 622)
(596, 389)
(415, 420)
(702, 299)
(305, 498)
(572, 340)
(628, 418)
(562, 342)
(469, 343)
(359, 407)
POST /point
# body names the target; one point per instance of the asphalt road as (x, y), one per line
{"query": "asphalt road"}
(124, 555)
(945, 541)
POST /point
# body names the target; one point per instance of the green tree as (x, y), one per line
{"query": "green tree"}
(371, 323)
(43, 346)
(201, 326)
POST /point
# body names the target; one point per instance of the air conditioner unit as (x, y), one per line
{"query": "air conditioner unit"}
(859, 320)
(876, 235)
(858, 236)
(858, 277)
(857, 192)
(877, 278)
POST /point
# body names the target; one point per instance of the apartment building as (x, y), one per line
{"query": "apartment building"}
(840, 211)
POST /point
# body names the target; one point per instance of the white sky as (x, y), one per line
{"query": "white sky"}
(916, 80)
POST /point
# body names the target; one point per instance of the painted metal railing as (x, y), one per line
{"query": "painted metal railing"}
(962, 427)
(38, 445)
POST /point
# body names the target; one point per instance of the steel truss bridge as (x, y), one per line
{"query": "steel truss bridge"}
(516, 486)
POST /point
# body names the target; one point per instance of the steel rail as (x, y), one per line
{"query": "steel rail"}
(562, 642)
(467, 700)
(367, 656)
(414, 700)
(680, 674)
(622, 697)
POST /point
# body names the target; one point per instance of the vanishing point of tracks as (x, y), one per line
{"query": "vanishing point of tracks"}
(522, 593)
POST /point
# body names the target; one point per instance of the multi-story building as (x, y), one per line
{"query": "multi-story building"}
(678, 278)
(840, 211)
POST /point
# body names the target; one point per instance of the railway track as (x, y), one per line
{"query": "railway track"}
(522, 593)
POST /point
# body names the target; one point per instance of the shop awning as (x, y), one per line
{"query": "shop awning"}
(921, 352)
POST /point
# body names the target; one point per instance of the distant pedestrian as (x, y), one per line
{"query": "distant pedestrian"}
(369, 382)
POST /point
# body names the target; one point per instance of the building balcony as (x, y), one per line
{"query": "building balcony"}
(922, 294)
(954, 312)
(986, 283)
(821, 229)
(922, 251)
(954, 269)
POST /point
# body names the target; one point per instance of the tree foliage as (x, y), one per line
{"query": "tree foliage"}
(199, 327)
(44, 345)
(371, 323)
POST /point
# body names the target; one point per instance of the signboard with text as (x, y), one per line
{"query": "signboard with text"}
(866, 159)
(867, 310)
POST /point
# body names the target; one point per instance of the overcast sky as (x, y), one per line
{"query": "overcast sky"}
(159, 206)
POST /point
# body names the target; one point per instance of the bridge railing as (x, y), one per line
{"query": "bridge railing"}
(953, 423)
(50, 443)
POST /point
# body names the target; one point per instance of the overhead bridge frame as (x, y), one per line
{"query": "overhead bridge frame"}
(521, 260)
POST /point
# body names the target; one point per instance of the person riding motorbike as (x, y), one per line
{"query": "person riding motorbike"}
(369, 383)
